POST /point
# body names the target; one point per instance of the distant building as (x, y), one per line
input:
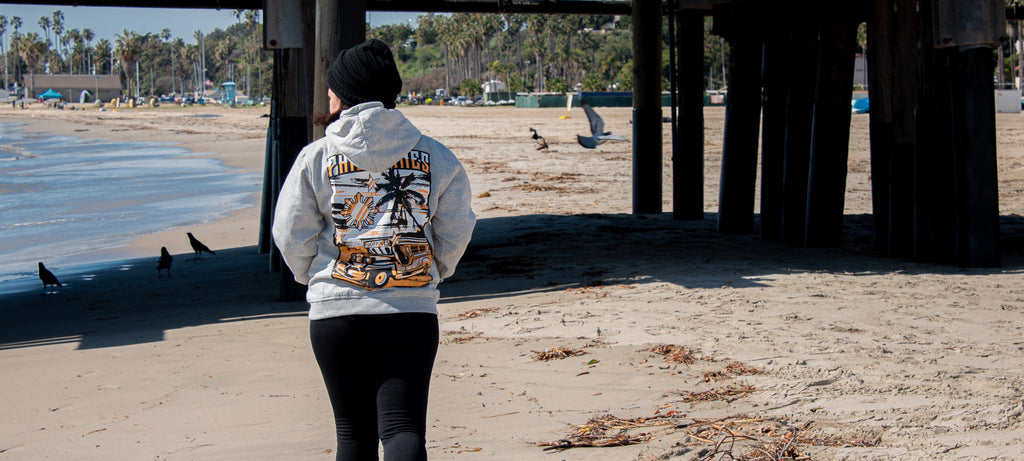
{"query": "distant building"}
(860, 71)
(494, 86)
(102, 87)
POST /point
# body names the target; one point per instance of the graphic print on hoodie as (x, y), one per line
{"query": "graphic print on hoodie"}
(378, 222)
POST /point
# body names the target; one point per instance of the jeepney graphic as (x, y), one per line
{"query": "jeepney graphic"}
(400, 260)
(378, 220)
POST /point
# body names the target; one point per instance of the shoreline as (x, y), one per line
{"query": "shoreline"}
(244, 155)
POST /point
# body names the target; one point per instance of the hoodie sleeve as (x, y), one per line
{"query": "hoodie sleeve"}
(452, 224)
(297, 219)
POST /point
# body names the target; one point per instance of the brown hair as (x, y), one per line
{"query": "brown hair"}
(326, 119)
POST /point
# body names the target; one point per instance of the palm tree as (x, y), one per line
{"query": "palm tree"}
(128, 49)
(397, 192)
(177, 47)
(201, 43)
(87, 35)
(32, 50)
(445, 27)
(74, 38)
(536, 24)
(252, 47)
(16, 25)
(513, 36)
(222, 55)
(3, 31)
(44, 23)
(165, 35)
(58, 31)
(103, 55)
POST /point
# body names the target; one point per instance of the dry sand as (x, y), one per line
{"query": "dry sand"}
(859, 355)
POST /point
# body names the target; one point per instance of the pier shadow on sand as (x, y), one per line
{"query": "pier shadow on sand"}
(128, 303)
(558, 252)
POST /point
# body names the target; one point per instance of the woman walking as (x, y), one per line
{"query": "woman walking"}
(372, 217)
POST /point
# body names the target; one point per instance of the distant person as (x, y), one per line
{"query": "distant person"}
(372, 218)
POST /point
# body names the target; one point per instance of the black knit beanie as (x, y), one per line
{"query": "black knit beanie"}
(364, 73)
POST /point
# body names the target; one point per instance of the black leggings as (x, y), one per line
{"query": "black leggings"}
(377, 371)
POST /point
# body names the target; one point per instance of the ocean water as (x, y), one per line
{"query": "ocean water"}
(67, 201)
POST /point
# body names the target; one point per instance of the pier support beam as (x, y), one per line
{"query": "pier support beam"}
(802, 65)
(974, 144)
(737, 185)
(880, 96)
(291, 131)
(688, 134)
(773, 132)
(339, 25)
(934, 168)
(830, 138)
(646, 38)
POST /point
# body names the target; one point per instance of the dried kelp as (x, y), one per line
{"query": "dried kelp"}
(558, 353)
(676, 354)
(725, 394)
(476, 313)
(609, 431)
(738, 437)
(737, 368)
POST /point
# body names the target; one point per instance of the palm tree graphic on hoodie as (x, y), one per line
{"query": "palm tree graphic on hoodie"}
(380, 240)
(397, 192)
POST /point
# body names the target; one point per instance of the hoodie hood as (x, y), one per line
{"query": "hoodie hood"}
(371, 137)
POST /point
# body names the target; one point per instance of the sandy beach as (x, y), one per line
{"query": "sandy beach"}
(572, 329)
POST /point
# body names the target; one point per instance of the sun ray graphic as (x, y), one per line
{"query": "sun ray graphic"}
(359, 211)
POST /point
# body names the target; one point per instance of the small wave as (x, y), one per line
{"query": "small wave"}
(38, 223)
(16, 151)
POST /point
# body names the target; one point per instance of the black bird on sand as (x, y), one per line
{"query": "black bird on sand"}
(542, 144)
(198, 246)
(164, 262)
(49, 280)
(597, 134)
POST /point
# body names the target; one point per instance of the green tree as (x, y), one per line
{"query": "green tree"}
(426, 30)
(15, 38)
(76, 51)
(594, 82)
(44, 23)
(32, 50)
(88, 36)
(3, 50)
(128, 47)
(103, 57)
(558, 85)
(58, 38)
(471, 87)
(503, 71)
(394, 35)
(535, 45)
(624, 78)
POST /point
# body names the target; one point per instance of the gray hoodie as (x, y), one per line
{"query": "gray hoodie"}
(373, 216)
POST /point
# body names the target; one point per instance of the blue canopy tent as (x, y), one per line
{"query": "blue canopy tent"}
(50, 94)
(860, 106)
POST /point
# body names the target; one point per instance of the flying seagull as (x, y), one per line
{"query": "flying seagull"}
(198, 246)
(597, 134)
(542, 144)
(48, 278)
(164, 262)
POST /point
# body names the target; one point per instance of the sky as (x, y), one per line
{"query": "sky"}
(107, 22)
